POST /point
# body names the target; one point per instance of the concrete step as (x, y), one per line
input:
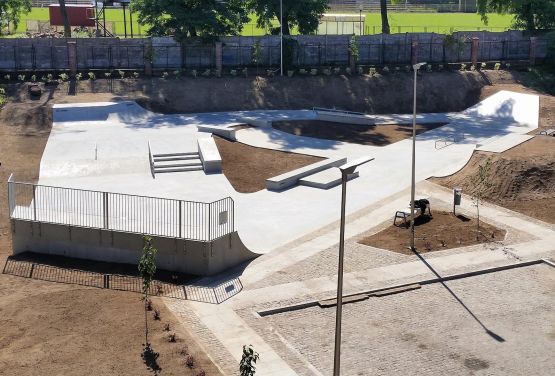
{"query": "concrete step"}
(172, 165)
(177, 169)
(178, 158)
(325, 179)
(175, 154)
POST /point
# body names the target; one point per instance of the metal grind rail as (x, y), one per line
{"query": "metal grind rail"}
(121, 212)
(206, 294)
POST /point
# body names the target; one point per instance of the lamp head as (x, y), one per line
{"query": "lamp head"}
(418, 66)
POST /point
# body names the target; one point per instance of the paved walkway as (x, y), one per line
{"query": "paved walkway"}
(538, 242)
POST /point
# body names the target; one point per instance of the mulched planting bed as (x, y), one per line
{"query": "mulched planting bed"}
(375, 135)
(247, 167)
(441, 231)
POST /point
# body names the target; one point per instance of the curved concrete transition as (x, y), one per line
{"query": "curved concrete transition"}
(265, 220)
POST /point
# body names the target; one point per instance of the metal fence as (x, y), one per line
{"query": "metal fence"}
(207, 294)
(121, 212)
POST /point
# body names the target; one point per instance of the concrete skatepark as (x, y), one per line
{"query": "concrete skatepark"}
(105, 147)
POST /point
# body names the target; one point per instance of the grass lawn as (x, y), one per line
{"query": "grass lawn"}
(399, 22)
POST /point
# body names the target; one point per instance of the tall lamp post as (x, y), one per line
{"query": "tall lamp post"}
(346, 170)
(360, 18)
(415, 67)
(281, 35)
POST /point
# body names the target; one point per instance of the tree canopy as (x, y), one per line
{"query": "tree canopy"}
(304, 14)
(191, 18)
(529, 14)
(10, 10)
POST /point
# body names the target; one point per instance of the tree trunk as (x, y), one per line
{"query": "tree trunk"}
(65, 18)
(286, 30)
(385, 21)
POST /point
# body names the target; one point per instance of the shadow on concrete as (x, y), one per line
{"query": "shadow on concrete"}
(492, 334)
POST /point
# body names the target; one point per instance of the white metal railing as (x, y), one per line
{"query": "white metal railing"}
(121, 212)
(441, 143)
(321, 109)
(151, 161)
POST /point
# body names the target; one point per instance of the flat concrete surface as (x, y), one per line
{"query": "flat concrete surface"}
(265, 220)
(505, 143)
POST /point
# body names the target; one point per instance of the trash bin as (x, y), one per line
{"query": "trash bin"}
(457, 192)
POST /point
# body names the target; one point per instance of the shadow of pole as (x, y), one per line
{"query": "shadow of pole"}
(493, 335)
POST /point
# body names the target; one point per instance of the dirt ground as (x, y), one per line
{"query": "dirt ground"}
(59, 329)
(441, 231)
(523, 178)
(375, 135)
(247, 167)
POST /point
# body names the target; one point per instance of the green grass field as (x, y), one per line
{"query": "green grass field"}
(399, 22)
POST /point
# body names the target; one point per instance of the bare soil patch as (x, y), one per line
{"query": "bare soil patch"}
(441, 231)
(523, 178)
(375, 135)
(247, 167)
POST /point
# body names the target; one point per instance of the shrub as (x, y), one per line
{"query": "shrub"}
(326, 71)
(483, 66)
(440, 67)
(407, 68)
(428, 246)
(156, 314)
(21, 77)
(148, 305)
(303, 71)
(360, 70)
(463, 67)
(428, 68)
(245, 72)
(190, 361)
(165, 75)
(121, 74)
(79, 76)
(108, 74)
(348, 71)
(233, 72)
(2, 96)
(172, 337)
(176, 73)
(194, 73)
(136, 74)
(34, 78)
(201, 373)
(44, 78)
(167, 327)
(508, 65)
(336, 70)
(497, 66)
(7, 77)
(64, 77)
(91, 75)
(372, 71)
(385, 69)
(270, 72)
(313, 72)
(397, 69)
(206, 73)
(290, 73)
(184, 351)
(473, 67)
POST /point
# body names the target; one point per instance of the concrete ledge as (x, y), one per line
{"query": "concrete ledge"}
(325, 179)
(256, 122)
(291, 178)
(227, 131)
(343, 117)
(209, 155)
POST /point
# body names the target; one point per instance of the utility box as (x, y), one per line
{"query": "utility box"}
(78, 14)
(457, 192)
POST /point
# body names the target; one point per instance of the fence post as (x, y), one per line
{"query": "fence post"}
(218, 56)
(474, 51)
(414, 52)
(180, 216)
(72, 57)
(532, 52)
(34, 203)
(148, 55)
(105, 211)
(209, 221)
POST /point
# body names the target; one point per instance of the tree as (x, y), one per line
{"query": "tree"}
(385, 20)
(147, 269)
(65, 18)
(481, 182)
(191, 18)
(528, 14)
(11, 10)
(247, 366)
(305, 14)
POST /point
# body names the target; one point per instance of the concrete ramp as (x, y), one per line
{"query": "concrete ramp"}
(504, 143)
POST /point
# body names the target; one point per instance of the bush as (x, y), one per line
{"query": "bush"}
(176, 73)
(385, 69)
(79, 76)
(336, 70)
(7, 77)
(483, 66)
(92, 76)
(233, 72)
(497, 66)
(21, 77)
(121, 74)
(428, 68)
(194, 73)
(3, 99)
(190, 361)
(313, 72)
(463, 67)
(206, 73)
(136, 74)
(303, 71)
(290, 73)
(201, 373)
(64, 77)
(108, 75)
(348, 71)
(372, 71)
(360, 70)
(165, 75)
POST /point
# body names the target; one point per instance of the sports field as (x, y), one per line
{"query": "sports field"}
(399, 22)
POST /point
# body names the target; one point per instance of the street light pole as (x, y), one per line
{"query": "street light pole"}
(346, 170)
(281, 35)
(415, 67)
